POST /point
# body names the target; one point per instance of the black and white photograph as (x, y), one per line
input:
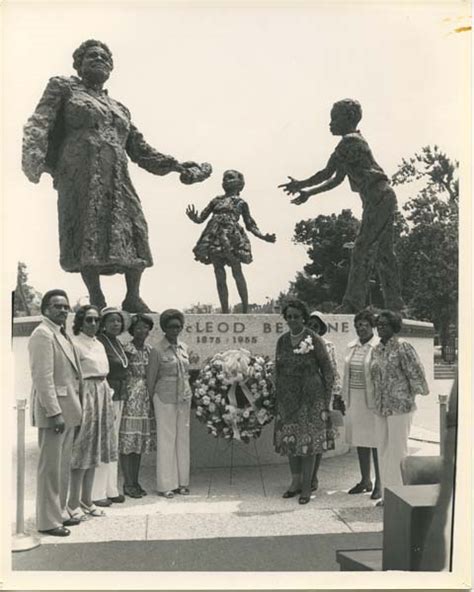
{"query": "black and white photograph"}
(237, 290)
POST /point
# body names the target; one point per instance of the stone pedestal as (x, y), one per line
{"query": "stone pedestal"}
(407, 515)
(207, 334)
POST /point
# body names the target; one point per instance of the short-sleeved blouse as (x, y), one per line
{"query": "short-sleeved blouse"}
(92, 356)
(168, 371)
(354, 157)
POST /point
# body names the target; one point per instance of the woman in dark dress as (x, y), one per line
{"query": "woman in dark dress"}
(303, 381)
(83, 138)
(112, 324)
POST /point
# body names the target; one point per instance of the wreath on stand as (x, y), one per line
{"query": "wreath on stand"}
(234, 395)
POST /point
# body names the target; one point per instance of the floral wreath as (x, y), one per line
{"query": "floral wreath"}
(235, 395)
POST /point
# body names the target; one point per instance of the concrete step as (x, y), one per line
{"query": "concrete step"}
(360, 560)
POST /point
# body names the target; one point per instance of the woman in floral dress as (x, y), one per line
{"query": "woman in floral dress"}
(303, 381)
(224, 241)
(137, 429)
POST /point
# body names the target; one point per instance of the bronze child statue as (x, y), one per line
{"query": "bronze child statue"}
(224, 241)
(83, 139)
(374, 243)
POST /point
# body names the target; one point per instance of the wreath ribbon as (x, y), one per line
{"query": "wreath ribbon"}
(232, 396)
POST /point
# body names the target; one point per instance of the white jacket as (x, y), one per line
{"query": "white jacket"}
(369, 386)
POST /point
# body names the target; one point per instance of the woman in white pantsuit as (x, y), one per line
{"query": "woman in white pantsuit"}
(398, 377)
(168, 380)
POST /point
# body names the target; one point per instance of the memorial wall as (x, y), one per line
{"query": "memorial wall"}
(207, 334)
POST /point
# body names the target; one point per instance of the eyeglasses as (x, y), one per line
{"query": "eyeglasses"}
(91, 320)
(60, 306)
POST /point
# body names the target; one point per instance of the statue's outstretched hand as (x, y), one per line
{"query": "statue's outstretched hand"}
(292, 186)
(301, 198)
(192, 172)
(270, 238)
(192, 213)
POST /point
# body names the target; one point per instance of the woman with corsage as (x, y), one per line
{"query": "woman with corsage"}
(168, 382)
(95, 442)
(303, 380)
(137, 434)
(112, 324)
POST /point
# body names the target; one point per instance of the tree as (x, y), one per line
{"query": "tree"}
(429, 251)
(26, 300)
(425, 241)
(327, 240)
(199, 309)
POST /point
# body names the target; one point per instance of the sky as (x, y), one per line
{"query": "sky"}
(239, 85)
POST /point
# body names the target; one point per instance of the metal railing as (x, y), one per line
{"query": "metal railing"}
(21, 541)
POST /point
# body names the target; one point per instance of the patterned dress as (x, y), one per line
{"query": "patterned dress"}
(95, 442)
(83, 138)
(137, 429)
(224, 240)
(303, 392)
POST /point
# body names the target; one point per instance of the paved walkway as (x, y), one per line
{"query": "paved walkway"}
(244, 502)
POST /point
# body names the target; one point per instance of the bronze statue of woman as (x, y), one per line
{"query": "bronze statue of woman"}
(83, 139)
(224, 241)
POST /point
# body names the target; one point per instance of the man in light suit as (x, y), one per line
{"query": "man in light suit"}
(56, 411)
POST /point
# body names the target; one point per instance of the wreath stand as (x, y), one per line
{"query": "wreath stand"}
(243, 447)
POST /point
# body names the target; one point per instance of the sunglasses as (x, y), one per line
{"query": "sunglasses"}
(90, 320)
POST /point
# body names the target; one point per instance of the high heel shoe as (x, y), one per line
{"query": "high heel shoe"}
(140, 489)
(290, 493)
(376, 494)
(132, 491)
(361, 488)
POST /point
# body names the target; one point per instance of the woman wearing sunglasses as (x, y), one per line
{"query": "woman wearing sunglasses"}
(95, 442)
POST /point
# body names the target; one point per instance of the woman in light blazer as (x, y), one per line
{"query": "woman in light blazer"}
(168, 382)
(358, 394)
